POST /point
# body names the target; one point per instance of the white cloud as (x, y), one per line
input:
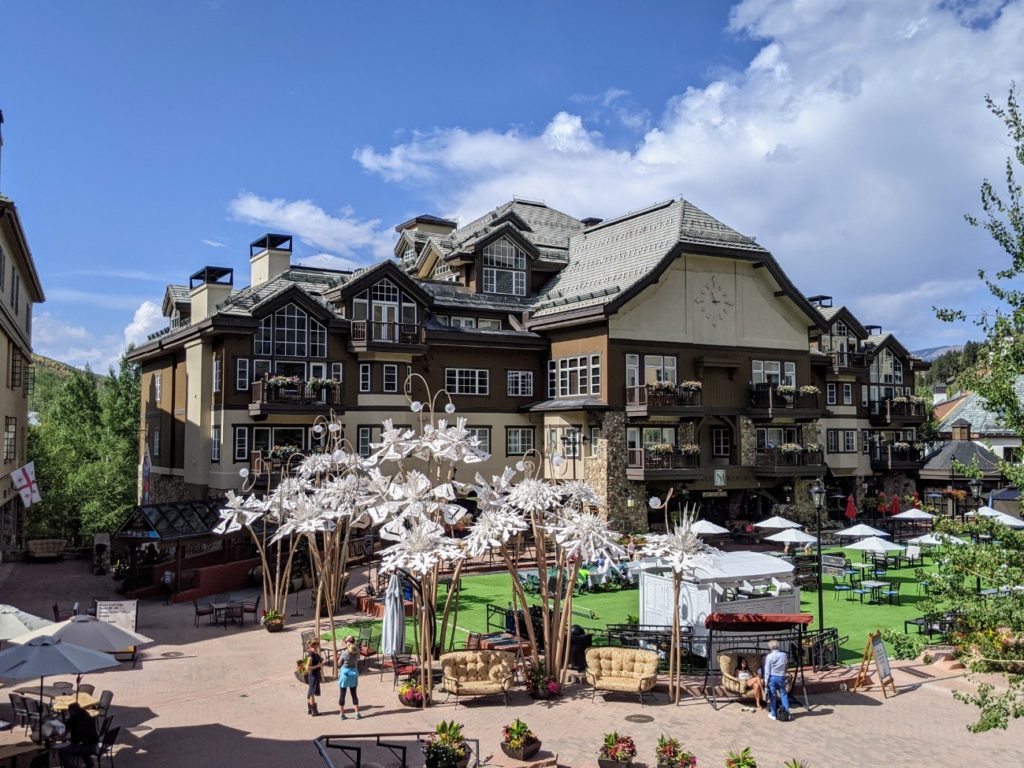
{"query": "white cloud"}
(850, 145)
(46, 329)
(147, 319)
(213, 243)
(327, 261)
(76, 345)
(342, 234)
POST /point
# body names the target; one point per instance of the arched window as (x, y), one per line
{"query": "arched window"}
(504, 268)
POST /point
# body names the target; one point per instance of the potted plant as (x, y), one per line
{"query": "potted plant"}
(301, 669)
(689, 449)
(744, 759)
(540, 685)
(691, 386)
(317, 384)
(662, 449)
(791, 448)
(663, 386)
(670, 754)
(808, 389)
(411, 694)
(617, 751)
(446, 747)
(273, 621)
(518, 741)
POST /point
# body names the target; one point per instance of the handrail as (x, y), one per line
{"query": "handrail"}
(387, 332)
(336, 741)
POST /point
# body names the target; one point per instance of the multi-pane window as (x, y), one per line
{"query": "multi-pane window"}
(290, 332)
(317, 339)
(595, 374)
(364, 436)
(830, 393)
(721, 442)
(773, 372)
(552, 378)
(592, 446)
(850, 440)
(488, 324)
(263, 340)
(572, 441)
(365, 380)
(577, 375)
(520, 383)
(458, 321)
(408, 311)
(773, 437)
(841, 441)
(241, 444)
(483, 434)
(384, 290)
(839, 328)
(659, 368)
(337, 372)
(10, 438)
(242, 374)
(15, 289)
(16, 365)
(154, 442)
(215, 442)
(157, 388)
(897, 370)
(847, 394)
(518, 440)
(467, 381)
(218, 372)
(260, 369)
(390, 377)
(832, 441)
(504, 268)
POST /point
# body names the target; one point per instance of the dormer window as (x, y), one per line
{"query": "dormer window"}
(504, 269)
(839, 329)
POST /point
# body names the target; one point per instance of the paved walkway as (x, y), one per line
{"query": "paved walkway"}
(215, 697)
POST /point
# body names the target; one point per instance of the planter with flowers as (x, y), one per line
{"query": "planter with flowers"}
(790, 448)
(518, 741)
(540, 685)
(273, 621)
(743, 759)
(689, 449)
(809, 389)
(670, 754)
(446, 747)
(687, 392)
(662, 449)
(691, 386)
(412, 694)
(787, 392)
(284, 382)
(284, 452)
(617, 751)
(901, 447)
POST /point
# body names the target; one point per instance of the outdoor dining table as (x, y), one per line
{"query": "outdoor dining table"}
(48, 691)
(222, 610)
(85, 700)
(876, 588)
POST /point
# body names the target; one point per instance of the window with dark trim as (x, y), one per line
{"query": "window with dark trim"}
(10, 438)
(242, 374)
(518, 440)
(215, 443)
(467, 381)
(365, 377)
(721, 441)
(390, 377)
(241, 444)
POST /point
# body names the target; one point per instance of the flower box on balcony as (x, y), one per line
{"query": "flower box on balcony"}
(662, 449)
(808, 389)
(689, 449)
(791, 448)
(691, 386)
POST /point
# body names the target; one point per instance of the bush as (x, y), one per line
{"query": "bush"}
(904, 646)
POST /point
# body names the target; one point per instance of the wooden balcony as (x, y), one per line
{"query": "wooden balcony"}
(265, 466)
(646, 399)
(773, 462)
(767, 402)
(369, 335)
(891, 412)
(645, 464)
(270, 398)
(891, 457)
(849, 362)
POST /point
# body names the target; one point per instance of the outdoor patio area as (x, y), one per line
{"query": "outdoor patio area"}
(215, 696)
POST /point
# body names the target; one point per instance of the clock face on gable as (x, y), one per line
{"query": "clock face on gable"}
(714, 301)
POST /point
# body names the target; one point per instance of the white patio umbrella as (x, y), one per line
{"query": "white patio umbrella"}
(934, 539)
(875, 544)
(707, 528)
(1009, 521)
(392, 631)
(985, 512)
(861, 530)
(45, 656)
(777, 522)
(14, 622)
(791, 536)
(914, 514)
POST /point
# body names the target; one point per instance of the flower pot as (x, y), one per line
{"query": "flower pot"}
(540, 693)
(412, 704)
(523, 753)
(274, 625)
(605, 762)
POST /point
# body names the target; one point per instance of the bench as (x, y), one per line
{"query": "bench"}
(46, 549)
(478, 673)
(622, 670)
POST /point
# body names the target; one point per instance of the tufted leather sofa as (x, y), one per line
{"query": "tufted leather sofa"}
(622, 670)
(46, 549)
(478, 673)
(727, 662)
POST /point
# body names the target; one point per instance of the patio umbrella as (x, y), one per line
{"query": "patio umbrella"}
(1009, 521)
(935, 539)
(851, 508)
(914, 514)
(861, 530)
(791, 536)
(985, 512)
(777, 522)
(875, 544)
(392, 632)
(14, 622)
(707, 528)
(44, 656)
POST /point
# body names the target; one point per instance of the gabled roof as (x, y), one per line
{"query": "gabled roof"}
(971, 409)
(313, 282)
(879, 340)
(831, 314)
(426, 218)
(176, 296)
(33, 285)
(941, 463)
(547, 226)
(364, 278)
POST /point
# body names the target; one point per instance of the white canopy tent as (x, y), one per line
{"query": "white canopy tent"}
(778, 523)
(707, 528)
(860, 530)
(914, 515)
(875, 544)
(791, 536)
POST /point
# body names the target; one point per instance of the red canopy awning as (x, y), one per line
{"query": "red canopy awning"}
(756, 622)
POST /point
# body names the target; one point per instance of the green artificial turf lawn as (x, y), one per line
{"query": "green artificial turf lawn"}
(855, 620)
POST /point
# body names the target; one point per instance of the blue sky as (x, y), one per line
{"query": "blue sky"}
(145, 140)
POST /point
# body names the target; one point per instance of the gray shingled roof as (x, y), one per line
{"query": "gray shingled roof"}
(313, 282)
(567, 404)
(829, 312)
(454, 295)
(549, 227)
(179, 293)
(941, 462)
(613, 256)
(984, 422)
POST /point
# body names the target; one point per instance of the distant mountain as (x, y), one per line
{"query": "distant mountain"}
(48, 374)
(930, 353)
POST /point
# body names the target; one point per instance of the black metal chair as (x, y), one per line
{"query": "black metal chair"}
(203, 610)
(104, 706)
(20, 709)
(87, 688)
(251, 607)
(106, 746)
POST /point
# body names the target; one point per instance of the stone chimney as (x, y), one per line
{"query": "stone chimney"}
(269, 256)
(207, 288)
(961, 429)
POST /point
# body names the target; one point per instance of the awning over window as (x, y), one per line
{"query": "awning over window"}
(756, 622)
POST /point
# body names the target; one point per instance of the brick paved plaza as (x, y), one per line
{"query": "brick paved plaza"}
(216, 697)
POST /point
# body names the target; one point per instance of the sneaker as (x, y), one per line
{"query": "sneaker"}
(358, 716)
(770, 716)
(344, 716)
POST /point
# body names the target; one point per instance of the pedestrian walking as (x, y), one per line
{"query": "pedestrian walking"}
(775, 664)
(314, 673)
(348, 675)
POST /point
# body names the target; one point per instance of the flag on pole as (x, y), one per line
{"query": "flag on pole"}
(24, 480)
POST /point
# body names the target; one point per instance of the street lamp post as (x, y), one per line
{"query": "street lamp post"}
(818, 497)
(974, 484)
(570, 446)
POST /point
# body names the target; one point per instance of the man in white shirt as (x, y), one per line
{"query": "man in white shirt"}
(775, 664)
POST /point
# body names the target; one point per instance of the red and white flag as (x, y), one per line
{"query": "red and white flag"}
(24, 480)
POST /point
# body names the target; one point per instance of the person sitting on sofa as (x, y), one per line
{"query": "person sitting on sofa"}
(752, 679)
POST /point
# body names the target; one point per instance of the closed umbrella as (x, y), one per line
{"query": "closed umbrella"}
(777, 522)
(44, 656)
(14, 622)
(791, 536)
(851, 508)
(894, 508)
(392, 633)
(860, 530)
(707, 528)
(875, 544)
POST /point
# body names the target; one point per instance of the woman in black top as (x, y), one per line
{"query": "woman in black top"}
(314, 670)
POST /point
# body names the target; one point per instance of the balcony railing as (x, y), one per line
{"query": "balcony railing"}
(302, 393)
(776, 458)
(768, 397)
(846, 359)
(884, 411)
(645, 458)
(670, 397)
(895, 457)
(264, 463)
(387, 333)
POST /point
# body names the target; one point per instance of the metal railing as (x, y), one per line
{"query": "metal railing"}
(846, 359)
(387, 332)
(266, 393)
(652, 395)
(888, 455)
(773, 457)
(645, 458)
(765, 396)
(353, 753)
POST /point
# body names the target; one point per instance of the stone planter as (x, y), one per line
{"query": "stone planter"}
(524, 753)
(604, 762)
(274, 625)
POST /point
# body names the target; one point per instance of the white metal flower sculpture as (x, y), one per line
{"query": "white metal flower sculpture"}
(421, 546)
